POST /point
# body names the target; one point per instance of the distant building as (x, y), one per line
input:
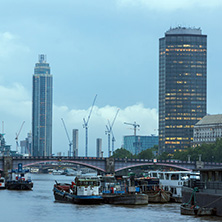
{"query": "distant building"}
(98, 147)
(182, 86)
(4, 149)
(136, 144)
(75, 142)
(42, 109)
(26, 145)
(207, 130)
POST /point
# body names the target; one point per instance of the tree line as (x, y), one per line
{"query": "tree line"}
(209, 153)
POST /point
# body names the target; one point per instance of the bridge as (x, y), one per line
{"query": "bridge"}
(102, 164)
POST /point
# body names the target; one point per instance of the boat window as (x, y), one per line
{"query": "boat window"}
(167, 176)
(1, 180)
(154, 174)
(175, 177)
(87, 183)
(161, 176)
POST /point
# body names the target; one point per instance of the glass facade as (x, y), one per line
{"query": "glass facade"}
(136, 144)
(182, 86)
(42, 109)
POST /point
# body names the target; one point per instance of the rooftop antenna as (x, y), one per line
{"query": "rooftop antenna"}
(70, 143)
(85, 125)
(135, 125)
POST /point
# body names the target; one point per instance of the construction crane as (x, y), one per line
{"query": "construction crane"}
(109, 131)
(135, 125)
(113, 140)
(85, 125)
(70, 143)
(17, 135)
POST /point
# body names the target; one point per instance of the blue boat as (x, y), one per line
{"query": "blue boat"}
(19, 179)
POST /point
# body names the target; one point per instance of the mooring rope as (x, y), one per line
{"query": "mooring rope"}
(212, 202)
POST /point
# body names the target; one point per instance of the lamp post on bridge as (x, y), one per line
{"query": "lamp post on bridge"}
(188, 158)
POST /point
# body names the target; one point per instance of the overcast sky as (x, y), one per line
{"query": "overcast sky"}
(108, 48)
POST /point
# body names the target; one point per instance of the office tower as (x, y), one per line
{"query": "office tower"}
(98, 147)
(42, 109)
(137, 144)
(75, 142)
(182, 86)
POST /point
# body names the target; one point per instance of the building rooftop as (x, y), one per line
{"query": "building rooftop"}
(184, 30)
(210, 119)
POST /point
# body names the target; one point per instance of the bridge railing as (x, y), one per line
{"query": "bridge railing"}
(58, 158)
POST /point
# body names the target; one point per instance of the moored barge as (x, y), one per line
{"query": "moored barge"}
(84, 190)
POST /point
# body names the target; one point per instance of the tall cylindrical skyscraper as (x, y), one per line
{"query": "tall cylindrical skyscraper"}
(182, 86)
(42, 109)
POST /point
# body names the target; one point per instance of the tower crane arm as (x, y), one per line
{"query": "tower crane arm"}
(134, 125)
(86, 122)
(66, 131)
(114, 118)
(17, 134)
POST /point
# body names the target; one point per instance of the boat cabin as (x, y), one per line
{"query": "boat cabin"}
(86, 186)
(172, 181)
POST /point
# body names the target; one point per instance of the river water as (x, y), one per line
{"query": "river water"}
(39, 206)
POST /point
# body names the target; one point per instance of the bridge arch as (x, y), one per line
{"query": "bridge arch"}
(65, 161)
(149, 164)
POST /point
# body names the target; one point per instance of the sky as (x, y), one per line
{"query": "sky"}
(109, 48)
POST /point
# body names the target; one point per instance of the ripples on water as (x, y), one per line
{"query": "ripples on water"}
(39, 206)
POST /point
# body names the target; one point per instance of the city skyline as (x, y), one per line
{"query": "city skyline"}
(109, 49)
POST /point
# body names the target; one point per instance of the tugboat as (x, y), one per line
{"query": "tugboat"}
(19, 180)
(84, 190)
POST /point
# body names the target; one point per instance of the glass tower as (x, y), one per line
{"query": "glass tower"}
(42, 109)
(137, 144)
(182, 86)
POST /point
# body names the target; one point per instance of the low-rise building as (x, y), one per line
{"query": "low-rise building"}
(207, 130)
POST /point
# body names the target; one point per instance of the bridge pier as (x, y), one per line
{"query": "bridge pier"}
(7, 165)
(199, 163)
(110, 165)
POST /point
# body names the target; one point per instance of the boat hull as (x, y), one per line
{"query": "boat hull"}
(188, 210)
(126, 199)
(19, 185)
(158, 196)
(203, 198)
(76, 199)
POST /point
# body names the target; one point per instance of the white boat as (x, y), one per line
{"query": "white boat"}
(2, 182)
(172, 181)
(57, 172)
(71, 172)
